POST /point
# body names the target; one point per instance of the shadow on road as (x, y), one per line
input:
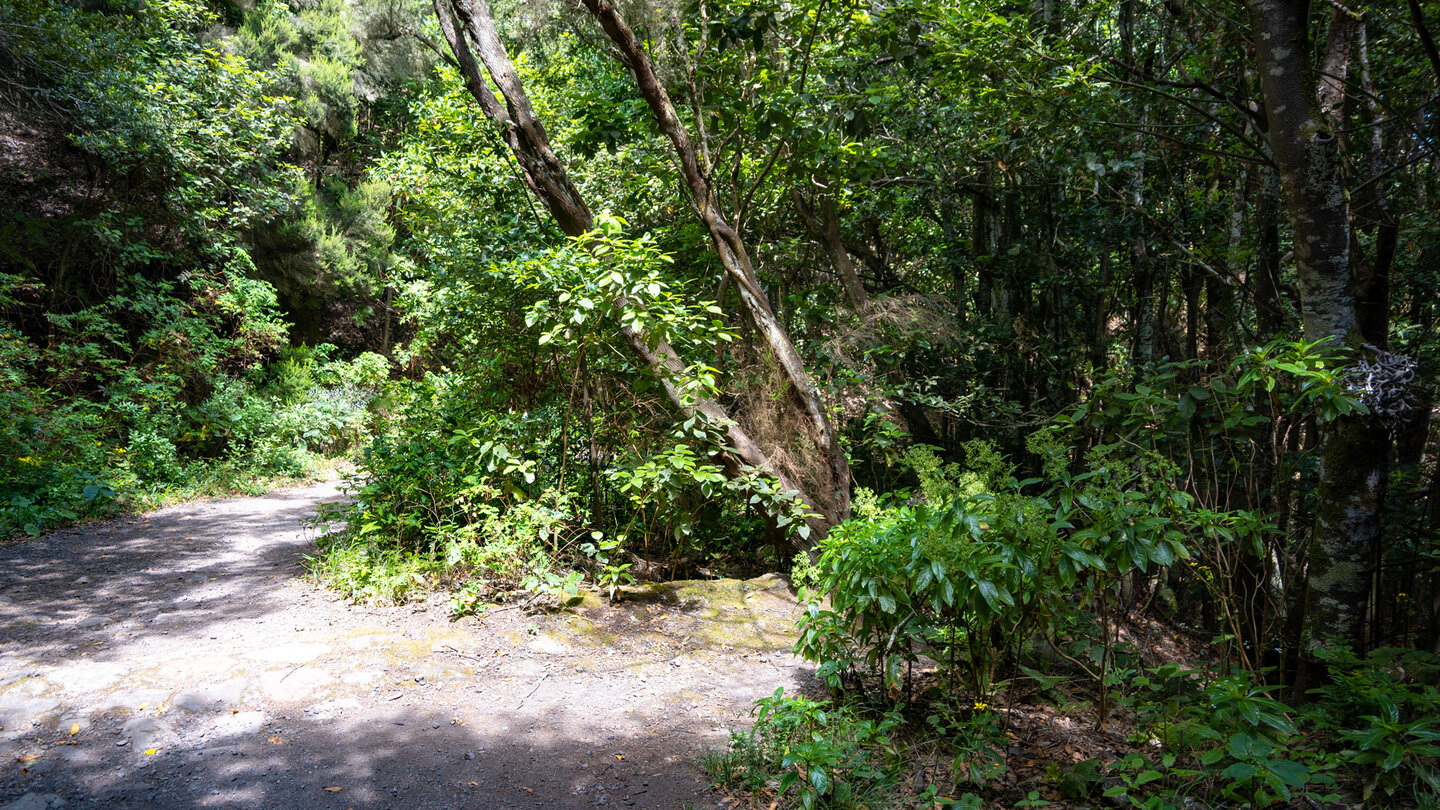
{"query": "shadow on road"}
(178, 572)
(400, 760)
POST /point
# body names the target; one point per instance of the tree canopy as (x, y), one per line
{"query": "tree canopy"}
(998, 320)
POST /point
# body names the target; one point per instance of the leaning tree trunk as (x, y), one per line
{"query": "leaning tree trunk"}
(827, 463)
(824, 227)
(545, 175)
(1304, 109)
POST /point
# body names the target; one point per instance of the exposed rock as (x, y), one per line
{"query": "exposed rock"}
(87, 677)
(293, 684)
(211, 697)
(19, 712)
(289, 653)
(146, 733)
(238, 724)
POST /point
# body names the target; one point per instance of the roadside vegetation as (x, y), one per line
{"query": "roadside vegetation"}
(1076, 361)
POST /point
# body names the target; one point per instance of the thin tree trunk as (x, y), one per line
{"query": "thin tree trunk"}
(1192, 284)
(985, 242)
(1100, 327)
(829, 458)
(1373, 277)
(824, 227)
(1265, 280)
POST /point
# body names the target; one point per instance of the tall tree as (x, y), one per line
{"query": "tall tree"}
(546, 176)
(1304, 107)
(828, 467)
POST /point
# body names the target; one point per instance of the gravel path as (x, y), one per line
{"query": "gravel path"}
(179, 659)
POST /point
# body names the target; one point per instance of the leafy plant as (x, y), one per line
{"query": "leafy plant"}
(827, 757)
(612, 574)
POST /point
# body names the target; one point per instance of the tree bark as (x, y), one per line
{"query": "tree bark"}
(545, 175)
(824, 227)
(543, 172)
(830, 462)
(1265, 281)
(1304, 111)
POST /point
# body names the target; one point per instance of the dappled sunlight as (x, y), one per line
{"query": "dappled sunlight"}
(179, 659)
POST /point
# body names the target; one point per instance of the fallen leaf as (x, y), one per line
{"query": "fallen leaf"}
(24, 759)
(275, 740)
(333, 789)
(68, 742)
(526, 789)
(75, 729)
(620, 757)
(474, 784)
(151, 751)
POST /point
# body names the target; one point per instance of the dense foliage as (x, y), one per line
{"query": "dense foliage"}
(145, 356)
(1112, 317)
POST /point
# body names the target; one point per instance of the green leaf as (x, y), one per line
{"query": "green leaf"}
(1244, 746)
(1291, 773)
(992, 595)
(1239, 771)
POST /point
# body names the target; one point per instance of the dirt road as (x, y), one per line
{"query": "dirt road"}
(180, 660)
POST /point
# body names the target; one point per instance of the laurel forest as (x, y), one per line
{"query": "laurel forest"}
(1072, 360)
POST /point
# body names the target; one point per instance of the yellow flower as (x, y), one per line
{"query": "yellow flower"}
(980, 707)
(31, 460)
(119, 449)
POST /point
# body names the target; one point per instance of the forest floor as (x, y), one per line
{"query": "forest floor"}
(181, 659)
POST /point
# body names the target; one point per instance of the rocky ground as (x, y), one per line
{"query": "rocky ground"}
(180, 659)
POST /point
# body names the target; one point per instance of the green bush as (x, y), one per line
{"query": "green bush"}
(975, 571)
(825, 756)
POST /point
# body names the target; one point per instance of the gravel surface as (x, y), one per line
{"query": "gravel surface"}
(180, 659)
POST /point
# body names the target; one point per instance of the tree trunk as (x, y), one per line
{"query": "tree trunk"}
(985, 242)
(546, 177)
(826, 462)
(824, 227)
(1304, 110)
(1265, 280)
(1100, 326)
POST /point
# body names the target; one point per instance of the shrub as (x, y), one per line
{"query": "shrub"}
(826, 756)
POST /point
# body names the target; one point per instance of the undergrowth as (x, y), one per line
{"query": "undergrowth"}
(935, 624)
(144, 445)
